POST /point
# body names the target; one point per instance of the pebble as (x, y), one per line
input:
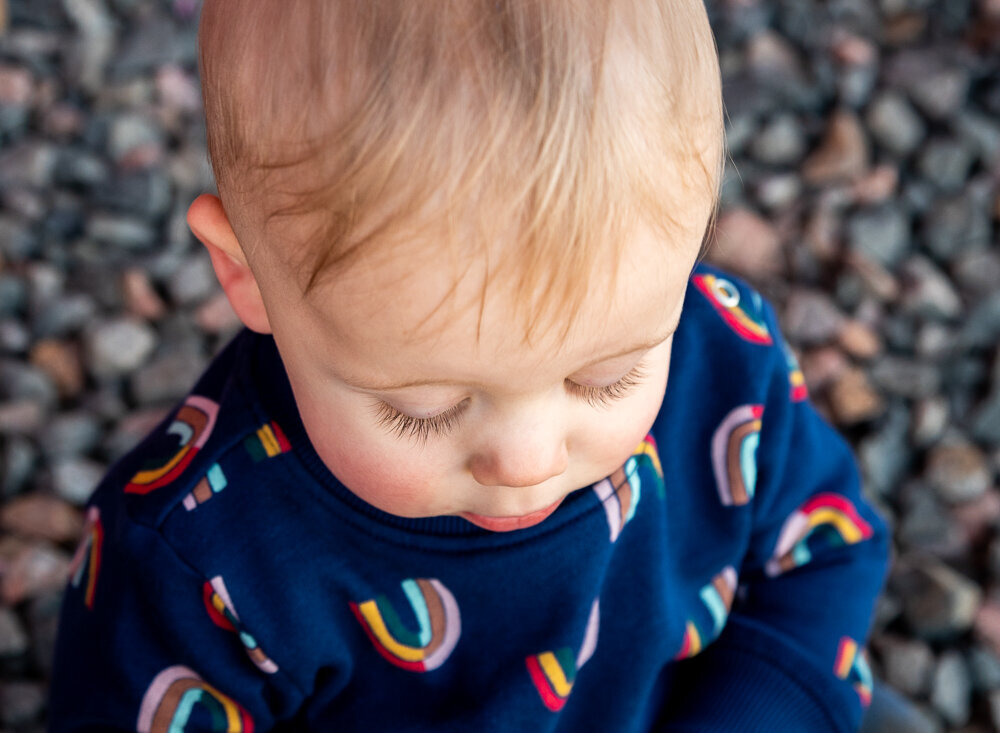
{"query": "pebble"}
(860, 340)
(27, 164)
(946, 163)
(981, 328)
(987, 625)
(926, 291)
(20, 702)
(935, 341)
(894, 124)
(119, 346)
(821, 366)
(976, 271)
(13, 639)
(133, 132)
(141, 298)
(20, 381)
(927, 526)
(979, 516)
(29, 568)
(63, 316)
(843, 153)
(144, 193)
(747, 243)
(853, 399)
(984, 665)
(884, 455)
(986, 419)
(69, 434)
(907, 663)
(14, 337)
(132, 428)
(780, 142)
(881, 234)
(61, 362)
(905, 377)
(811, 317)
(42, 515)
(166, 378)
(955, 225)
(951, 692)
(121, 231)
(876, 186)
(930, 418)
(940, 603)
(17, 462)
(193, 282)
(74, 478)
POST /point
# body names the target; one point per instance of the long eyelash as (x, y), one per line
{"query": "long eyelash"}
(418, 428)
(604, 396)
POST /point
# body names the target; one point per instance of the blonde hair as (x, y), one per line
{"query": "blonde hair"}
(551, 124)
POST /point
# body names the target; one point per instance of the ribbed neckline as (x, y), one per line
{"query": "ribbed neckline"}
(266, 384)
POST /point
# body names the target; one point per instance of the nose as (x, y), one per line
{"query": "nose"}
(520, 458)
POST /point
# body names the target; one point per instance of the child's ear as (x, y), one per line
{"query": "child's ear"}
(209, 223)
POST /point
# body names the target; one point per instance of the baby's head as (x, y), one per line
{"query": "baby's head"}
(469, 227)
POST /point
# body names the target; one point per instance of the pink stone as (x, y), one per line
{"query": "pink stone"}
(42, 515)
(877, 185)
(16, 86)
(140, 297)
(748, 244)
(29, 569)
(843, 153)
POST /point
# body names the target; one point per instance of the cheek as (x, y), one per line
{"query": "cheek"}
(394, 476)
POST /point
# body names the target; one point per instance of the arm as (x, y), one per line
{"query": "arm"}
(791, 656)
(146, 642)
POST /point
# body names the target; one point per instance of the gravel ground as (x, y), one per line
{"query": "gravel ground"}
(862, 197)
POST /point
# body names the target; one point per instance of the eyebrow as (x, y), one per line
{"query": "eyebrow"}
(644, 346)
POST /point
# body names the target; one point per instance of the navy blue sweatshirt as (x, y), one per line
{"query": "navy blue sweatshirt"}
(722, 580)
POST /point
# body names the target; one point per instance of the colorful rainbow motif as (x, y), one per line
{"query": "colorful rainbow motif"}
(174, 695)
(744, 315)
(620, 492)
(210, 484)
(553, 673)
(796, 379)
(192, 425)
(267, 442)
(852, 665)
(222, 612)
(717, 597)
(88, 555)
(734, 454)
(826, 520)
(437, 616)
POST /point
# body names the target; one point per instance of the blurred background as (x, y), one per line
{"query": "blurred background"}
(861, 197)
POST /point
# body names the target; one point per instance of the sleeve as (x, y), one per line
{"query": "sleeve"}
(791, 657)
(146, 644)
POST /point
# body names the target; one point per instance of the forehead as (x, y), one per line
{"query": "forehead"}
(428, 318)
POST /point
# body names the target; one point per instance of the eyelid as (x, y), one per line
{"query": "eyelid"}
(603, 396)
(420, 428)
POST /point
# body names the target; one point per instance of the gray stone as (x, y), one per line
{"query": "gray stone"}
(93, 45)
(977, 271)
(811, 317)
(70, 434)
(986, 419)
(20, 381)
(13, 639)
(28, 164)
(63, 316)
(780, 142)
(984, 666)
(21, 702)
(939, 93)
(119, 346)
(121, 231)
(145, 193)
(75, 478)
(17, 464)
(155, 43)
(894, 124)
(130, 131)
(955, 225)
(779, 191)
(981, 328)
(951, 691)
(13, 294)
(906, 663)
(926, 526)
(939, 604)
(927, 292)
(946, 163)
(78, 167)
(905, 377)
(935, 341)
(14, 337)
(168, 377)
(17, 241)
(885, 455)
(930, 418)
(982, 132)
(881, 234)
(43, 624)
(194, 281)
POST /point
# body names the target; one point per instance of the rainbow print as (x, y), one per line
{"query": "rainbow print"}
(88, 555)
(174, 696)
(717, 598)
(826, 520)
(437, 616)
(268, 441)
(852, 665)
(192, 425)
(620, 492)
(210, 484)
(796, 378)
(220, 609)
(744, 315)
(734, 454)
(553, 673)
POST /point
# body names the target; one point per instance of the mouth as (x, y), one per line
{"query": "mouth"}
(509, 524)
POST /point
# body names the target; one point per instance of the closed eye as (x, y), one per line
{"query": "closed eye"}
(604, 396)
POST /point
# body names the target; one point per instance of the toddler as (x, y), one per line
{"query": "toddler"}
(493, 453)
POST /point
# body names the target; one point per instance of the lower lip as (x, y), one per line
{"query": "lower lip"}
(509, 524)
